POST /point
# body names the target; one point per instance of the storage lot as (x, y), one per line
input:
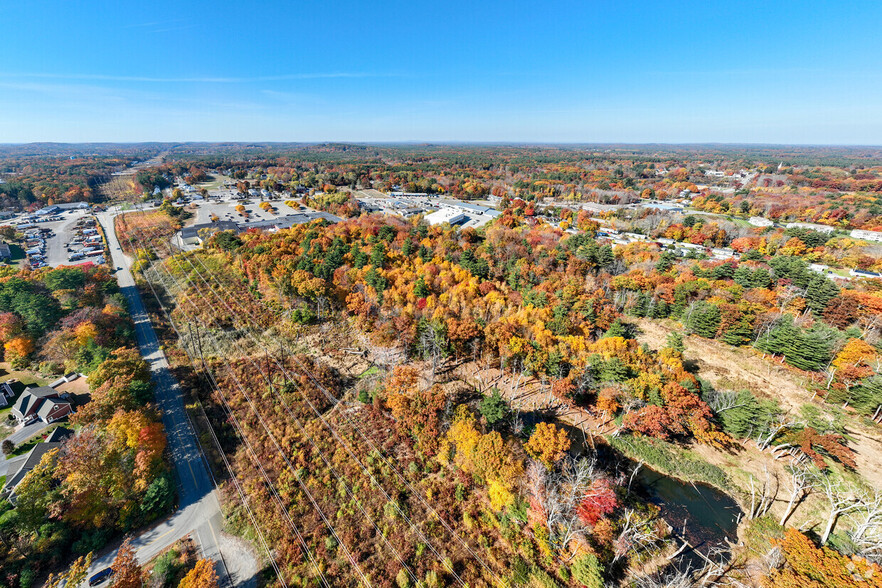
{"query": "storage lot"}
(54, 237)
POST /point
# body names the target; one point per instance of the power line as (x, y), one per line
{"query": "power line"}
(333, 399)
(256, 461)
(226, 462)
(333, 432)
(306, 434)
(310, 440)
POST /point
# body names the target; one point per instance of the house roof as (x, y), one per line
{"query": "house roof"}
(30, 462)
(30, 399)
(58, 435)
(50, 404)
(42, 391)
(193, 231)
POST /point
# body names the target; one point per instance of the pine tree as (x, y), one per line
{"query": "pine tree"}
(617, 329)
(704, 319)
(739, 333)
(819, 292)
(494, 408)
(378, 255)
(675, 341)
(420, 288)
(743, 277)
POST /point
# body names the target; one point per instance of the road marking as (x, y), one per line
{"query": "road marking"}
(161, 536)
(192, 473)
(220, 555)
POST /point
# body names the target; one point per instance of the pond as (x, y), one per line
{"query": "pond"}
(705, 516)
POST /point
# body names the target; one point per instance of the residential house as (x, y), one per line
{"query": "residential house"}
(31, 460)
(42, 403)
(6, 394)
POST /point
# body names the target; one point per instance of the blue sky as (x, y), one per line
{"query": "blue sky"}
(516, 71)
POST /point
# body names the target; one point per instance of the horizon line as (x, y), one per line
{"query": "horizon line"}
(427, 142)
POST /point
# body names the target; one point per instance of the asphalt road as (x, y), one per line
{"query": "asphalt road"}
(199, 509)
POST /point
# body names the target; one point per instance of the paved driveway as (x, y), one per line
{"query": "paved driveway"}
(26, 432)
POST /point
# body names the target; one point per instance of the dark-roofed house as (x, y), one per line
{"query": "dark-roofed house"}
(31, 460)
(5, 252)
(58, 435)
(43, 403)
(6, 394)
(191, 235)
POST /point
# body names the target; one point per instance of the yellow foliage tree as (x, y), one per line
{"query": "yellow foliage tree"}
(548, 444)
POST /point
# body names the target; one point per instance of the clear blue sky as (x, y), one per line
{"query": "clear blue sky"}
(447, 70)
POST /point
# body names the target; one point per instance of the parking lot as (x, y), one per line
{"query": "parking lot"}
(226, 210)
(52, 243)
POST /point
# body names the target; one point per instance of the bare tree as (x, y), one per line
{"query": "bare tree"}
(867, 532)
(723, 400)
(762, 495)
(669, 578)
(637, 535)
(559, 496)
(802, 480)
(842, 499)
(767, 435)
(432, 344)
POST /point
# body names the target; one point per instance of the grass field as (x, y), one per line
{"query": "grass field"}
(215, 183)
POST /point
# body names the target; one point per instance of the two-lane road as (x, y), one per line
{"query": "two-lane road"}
(199, 509)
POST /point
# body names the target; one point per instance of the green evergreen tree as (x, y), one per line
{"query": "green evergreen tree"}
(743, 276)
(378, 254)
(807, 350)
(819, 292)
(761, 278)
(665, 261)
(425, 254)
(739, 333)
(704, 319)
(420, 288)
(494, 408)
(616, 329)
(605, 256)
(675, 341)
